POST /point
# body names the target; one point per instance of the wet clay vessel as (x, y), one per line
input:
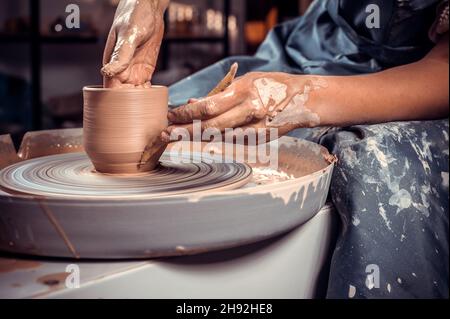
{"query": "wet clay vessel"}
(119, 123)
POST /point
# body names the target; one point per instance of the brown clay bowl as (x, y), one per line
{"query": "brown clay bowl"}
(119, 123)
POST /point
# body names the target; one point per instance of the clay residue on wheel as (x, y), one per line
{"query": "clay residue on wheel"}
(73, 176)
(51, 142)
(53, 280)
(8, 155)
(304, 158)
(330, 158)
(11, 265)
(296, 158)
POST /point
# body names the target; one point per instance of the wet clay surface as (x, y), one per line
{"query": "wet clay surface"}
(296, 158)
(300, 160)
(10, 265)
(43, 143)
(119, 123)
(8, 153)
(53, 280)
(72, 175)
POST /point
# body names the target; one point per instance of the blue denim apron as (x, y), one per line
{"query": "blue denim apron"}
(330, 39)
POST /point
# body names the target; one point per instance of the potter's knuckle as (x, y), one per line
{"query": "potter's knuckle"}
(240, 95)
(253, 107)
(182, 110)
(190, 113)
(177, 114)
(156, 25)
(210, 109)
(259, 114)
(250, 117)
(255, 75)
(209, 125)
(234, 85)
(123, 66)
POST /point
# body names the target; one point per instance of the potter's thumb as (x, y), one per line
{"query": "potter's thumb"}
(120, 59)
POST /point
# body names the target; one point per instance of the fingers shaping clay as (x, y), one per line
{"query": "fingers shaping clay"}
(118, 124)
(221, 86)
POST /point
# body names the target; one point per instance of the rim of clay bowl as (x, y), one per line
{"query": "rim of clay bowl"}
(99, 88)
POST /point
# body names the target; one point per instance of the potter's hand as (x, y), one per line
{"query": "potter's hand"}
(256, 100)
(133, 43)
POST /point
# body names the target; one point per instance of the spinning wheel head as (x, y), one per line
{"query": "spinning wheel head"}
(73, 176)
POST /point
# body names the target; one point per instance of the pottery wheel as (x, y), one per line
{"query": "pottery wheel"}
(73, 175)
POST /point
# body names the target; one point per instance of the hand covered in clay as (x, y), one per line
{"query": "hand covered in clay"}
(133, 43)
(256, 100)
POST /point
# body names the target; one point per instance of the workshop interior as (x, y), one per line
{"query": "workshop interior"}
(348, 200)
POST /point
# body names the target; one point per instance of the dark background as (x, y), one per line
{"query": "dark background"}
(43, 71)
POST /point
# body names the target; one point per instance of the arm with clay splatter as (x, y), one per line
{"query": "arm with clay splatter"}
(257, 100)
(416, 91)
(133, 43)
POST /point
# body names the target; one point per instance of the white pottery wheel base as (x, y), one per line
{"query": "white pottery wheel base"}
(165, 226)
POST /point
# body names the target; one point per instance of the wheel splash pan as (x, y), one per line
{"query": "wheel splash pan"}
(167, 226)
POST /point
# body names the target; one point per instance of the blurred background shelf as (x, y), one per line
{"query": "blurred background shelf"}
(35, 40)
(14, 38)
(187, 39)
(43, 71)
(66, 39)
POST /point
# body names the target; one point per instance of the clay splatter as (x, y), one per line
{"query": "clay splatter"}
(10, 265)
(444, 176)
(271, 92)
(351, 291)
(402, 199)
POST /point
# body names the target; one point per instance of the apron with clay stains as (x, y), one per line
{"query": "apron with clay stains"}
(390, 186)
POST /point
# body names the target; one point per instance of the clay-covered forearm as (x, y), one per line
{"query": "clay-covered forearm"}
(128, 7)
(160, 5)
(417, 91)
(267, 100)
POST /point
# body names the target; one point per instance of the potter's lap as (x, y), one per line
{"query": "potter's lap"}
(390, 187)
